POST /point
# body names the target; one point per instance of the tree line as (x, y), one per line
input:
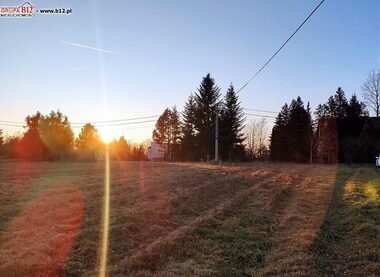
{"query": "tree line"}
(191, 135)
(295, 137)
(50, 138)
(342, 130)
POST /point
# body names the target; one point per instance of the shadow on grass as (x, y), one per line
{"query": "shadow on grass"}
(347, 243)
(47, 180)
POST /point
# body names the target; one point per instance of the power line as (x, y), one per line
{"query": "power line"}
(118, 124)
(96, 125)
(259, 115)
(92, 122)
(115, 120)
(282, 46)
(11, 125)
(121, 121)
(13, 122)
(263, 111)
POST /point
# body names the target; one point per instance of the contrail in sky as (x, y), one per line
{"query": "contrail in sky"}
(91, 48)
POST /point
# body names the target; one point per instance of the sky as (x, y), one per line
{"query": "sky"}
(157, 52)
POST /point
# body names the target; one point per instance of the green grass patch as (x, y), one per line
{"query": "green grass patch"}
(350, 234)
(241, 241)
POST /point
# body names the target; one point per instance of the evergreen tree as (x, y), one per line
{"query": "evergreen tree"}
(330, 107)
(321, 111)
(279, 141)
(355, 108)
(300, 131)
(167, 132)
(176, 134)
(336, 106)
(232, 125)
(341, 104)
(207, 103)
(188, 140)
(292, 133)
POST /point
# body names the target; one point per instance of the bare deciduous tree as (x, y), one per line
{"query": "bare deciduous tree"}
(371, 91)
(257, 138)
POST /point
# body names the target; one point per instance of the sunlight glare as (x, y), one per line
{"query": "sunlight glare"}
(106, 211)
(106, 135)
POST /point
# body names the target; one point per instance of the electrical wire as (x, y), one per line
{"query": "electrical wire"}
(115, 120)
(262, 111)
(282, 46)
(259, 115)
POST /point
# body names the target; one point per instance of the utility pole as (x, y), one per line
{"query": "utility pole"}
(216, 135)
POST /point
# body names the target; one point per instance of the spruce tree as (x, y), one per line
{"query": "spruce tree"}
(355, 108)
(188, 140)
(330, 107)
(232, 125)
(207, 103)
(279, 140)
(300, 131)
(175, 124)
(338, 107)
(341, 104)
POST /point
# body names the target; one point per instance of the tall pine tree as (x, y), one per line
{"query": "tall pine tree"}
(188, 140)
(279, 140)
(355, 108)
(207, 102)
(341, 104)
(232, 125)
(300, 131)
(292, 133)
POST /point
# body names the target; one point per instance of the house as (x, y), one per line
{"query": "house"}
(156, 152)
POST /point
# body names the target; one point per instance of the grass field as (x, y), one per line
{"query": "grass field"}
(259, 219)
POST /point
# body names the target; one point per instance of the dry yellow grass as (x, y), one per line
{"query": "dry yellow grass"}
(40, 238)
(188, 219)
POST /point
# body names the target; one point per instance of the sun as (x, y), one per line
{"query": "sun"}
(106, 135)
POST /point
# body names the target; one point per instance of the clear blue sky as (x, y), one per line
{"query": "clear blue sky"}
(166, 47)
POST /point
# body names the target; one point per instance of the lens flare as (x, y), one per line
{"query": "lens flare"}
(106, 135)
(106, 211)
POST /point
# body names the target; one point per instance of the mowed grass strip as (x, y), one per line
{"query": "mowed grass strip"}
(349, 241)
(21, 182)
(148, 202)
(39, 240)
(16, 180)
(300, 211)
(197, 219)
(172, 200)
